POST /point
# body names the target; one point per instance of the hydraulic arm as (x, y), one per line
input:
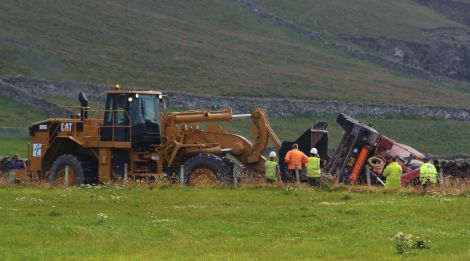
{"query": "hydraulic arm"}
(181, 137)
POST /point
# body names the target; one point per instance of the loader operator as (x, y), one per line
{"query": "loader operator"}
(393, 174)
(271, 168)
(313, 168)
(295, 158)
(427, 173)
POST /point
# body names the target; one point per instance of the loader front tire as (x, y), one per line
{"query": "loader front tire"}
(75, 175)
(206, 169)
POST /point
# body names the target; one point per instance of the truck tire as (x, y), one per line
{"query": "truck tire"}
(206, 169)
(76, 171)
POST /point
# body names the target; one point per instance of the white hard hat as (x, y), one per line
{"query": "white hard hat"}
(272, 154)
(313, 151)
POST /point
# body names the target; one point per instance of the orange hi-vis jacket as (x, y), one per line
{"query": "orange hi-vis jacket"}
(294, 158)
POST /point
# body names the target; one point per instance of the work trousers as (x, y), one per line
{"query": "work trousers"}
(314, 181)
(292, 175)
(270, 181)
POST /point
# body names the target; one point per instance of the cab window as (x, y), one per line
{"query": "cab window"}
(150, 108)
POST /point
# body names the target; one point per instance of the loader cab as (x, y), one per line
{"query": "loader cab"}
(133, 116)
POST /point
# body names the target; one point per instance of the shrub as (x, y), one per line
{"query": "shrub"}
(405, 244)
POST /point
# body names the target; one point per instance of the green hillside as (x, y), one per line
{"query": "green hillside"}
(400, 19)
(205, 46)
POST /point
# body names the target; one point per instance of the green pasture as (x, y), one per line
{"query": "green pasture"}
(182, 223)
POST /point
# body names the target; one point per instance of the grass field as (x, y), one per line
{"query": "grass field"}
(11, 146)
(209, 46)
(176, 223)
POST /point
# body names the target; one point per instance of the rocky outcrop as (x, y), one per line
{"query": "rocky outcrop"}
(355, 52)
(446, 52)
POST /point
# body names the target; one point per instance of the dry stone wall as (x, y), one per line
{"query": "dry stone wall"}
(29, 91)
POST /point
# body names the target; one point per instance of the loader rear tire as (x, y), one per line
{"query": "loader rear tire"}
(76, 171)
(206, 169)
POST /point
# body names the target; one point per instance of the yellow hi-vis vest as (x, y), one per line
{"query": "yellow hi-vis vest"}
(270, 170)
(393, 174)
(427, 173)
(313, 167)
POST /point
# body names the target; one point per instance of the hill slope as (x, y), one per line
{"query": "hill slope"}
(429, 34)
(206, 46)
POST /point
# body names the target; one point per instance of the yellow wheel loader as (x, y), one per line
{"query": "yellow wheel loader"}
(134, 136)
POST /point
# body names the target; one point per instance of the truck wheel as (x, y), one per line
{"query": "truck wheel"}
(206, 169)
(57, 171)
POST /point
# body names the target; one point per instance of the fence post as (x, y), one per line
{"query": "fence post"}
(11, 177)
(297, 175)
(125, 172)
(181, 174)
(368, 175)
(66, 175)
(234, 175)
(441, 176)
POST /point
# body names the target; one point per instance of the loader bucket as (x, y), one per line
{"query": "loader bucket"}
(314, 137)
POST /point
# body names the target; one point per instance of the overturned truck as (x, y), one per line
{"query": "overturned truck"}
(361, 149)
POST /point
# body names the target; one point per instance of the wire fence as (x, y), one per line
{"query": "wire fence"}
(14, 132)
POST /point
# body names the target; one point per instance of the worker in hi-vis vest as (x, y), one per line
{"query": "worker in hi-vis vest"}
(271, 168)
(427, 173)
(313, 168)
(393, 174)
(295, 159)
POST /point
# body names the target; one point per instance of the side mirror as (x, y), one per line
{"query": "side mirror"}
(165, 103)
(83, 106)
(83, 99)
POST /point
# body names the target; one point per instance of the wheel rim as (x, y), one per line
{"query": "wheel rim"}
(202, 176)
(71, 179)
